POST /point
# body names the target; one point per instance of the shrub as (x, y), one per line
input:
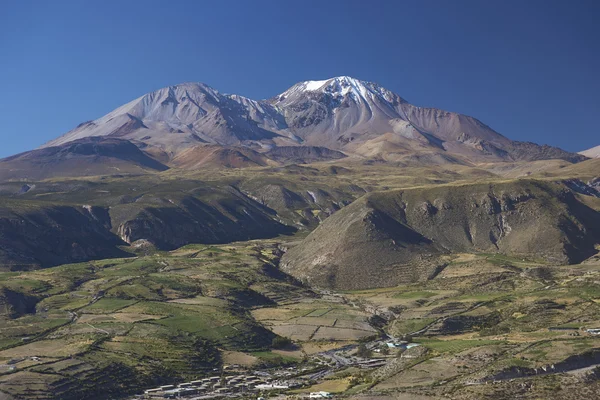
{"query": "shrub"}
(280, 342)
(363, 351)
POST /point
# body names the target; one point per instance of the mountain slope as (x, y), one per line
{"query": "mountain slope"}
(41, 235)
(82, 157)
(594, 152)
(303, 154)
(339, 114)
(392, 237)
(182, 116)
(77, 221)
(220, 156)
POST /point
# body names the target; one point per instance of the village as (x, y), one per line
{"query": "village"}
(234, 381)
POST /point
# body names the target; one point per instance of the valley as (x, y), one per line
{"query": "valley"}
(487, 325)
(332, 240)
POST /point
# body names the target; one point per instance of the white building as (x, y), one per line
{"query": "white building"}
(320, 395)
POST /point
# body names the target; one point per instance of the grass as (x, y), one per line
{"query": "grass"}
(23, 284)
(66, 301)
(414, 295)
(270, 356)
(518, 362)
(454, 346)
(481, 296)
(109, 304)
(162, 315)
(194, 294)
(332, 386)
(412, 325)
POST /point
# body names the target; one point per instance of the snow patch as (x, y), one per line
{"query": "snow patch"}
(342, 86)
(314, 85)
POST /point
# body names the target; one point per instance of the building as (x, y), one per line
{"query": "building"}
(319, 395)
(272, 386)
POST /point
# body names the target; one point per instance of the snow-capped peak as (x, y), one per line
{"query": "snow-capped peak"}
(341, 86)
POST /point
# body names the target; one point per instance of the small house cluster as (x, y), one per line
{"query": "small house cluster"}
(215, 386)
(319, 395)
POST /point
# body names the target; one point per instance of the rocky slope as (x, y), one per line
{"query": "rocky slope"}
(388, 238)
(39, 235)
(220, 156)
(218, 216)
(340, 114)
(36, 234)
(303, 154)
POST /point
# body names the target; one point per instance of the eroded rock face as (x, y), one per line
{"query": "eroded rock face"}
(194, 221)
(574, 362)
(55, 235)
(14, 304)
(389, 238)
(44, 236)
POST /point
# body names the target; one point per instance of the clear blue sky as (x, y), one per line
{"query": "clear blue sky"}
(529, 69)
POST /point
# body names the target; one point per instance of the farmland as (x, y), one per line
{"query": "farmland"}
(137, 322)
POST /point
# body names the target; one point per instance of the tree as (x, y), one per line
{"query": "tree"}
(363, 351)
(385, 350)
(280, 342)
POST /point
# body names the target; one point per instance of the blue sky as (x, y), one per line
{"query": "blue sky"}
(529, 69)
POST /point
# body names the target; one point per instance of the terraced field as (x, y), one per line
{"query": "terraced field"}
(131, 323)
(493, 327)
(161, 317)
(324, 319)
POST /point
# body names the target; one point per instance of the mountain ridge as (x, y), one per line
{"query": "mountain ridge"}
(340, 113)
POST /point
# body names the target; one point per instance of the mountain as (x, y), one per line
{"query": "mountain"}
(82, 157)
(387, 238)
(343, 114)
(183, 116)
(594, 152)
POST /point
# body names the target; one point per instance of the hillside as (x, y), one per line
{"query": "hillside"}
(106, 329)
(219, 157)
(83, 157)
(51, 232)
(208, 204)
(303, 154)
(487, 326)
(388, 238)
